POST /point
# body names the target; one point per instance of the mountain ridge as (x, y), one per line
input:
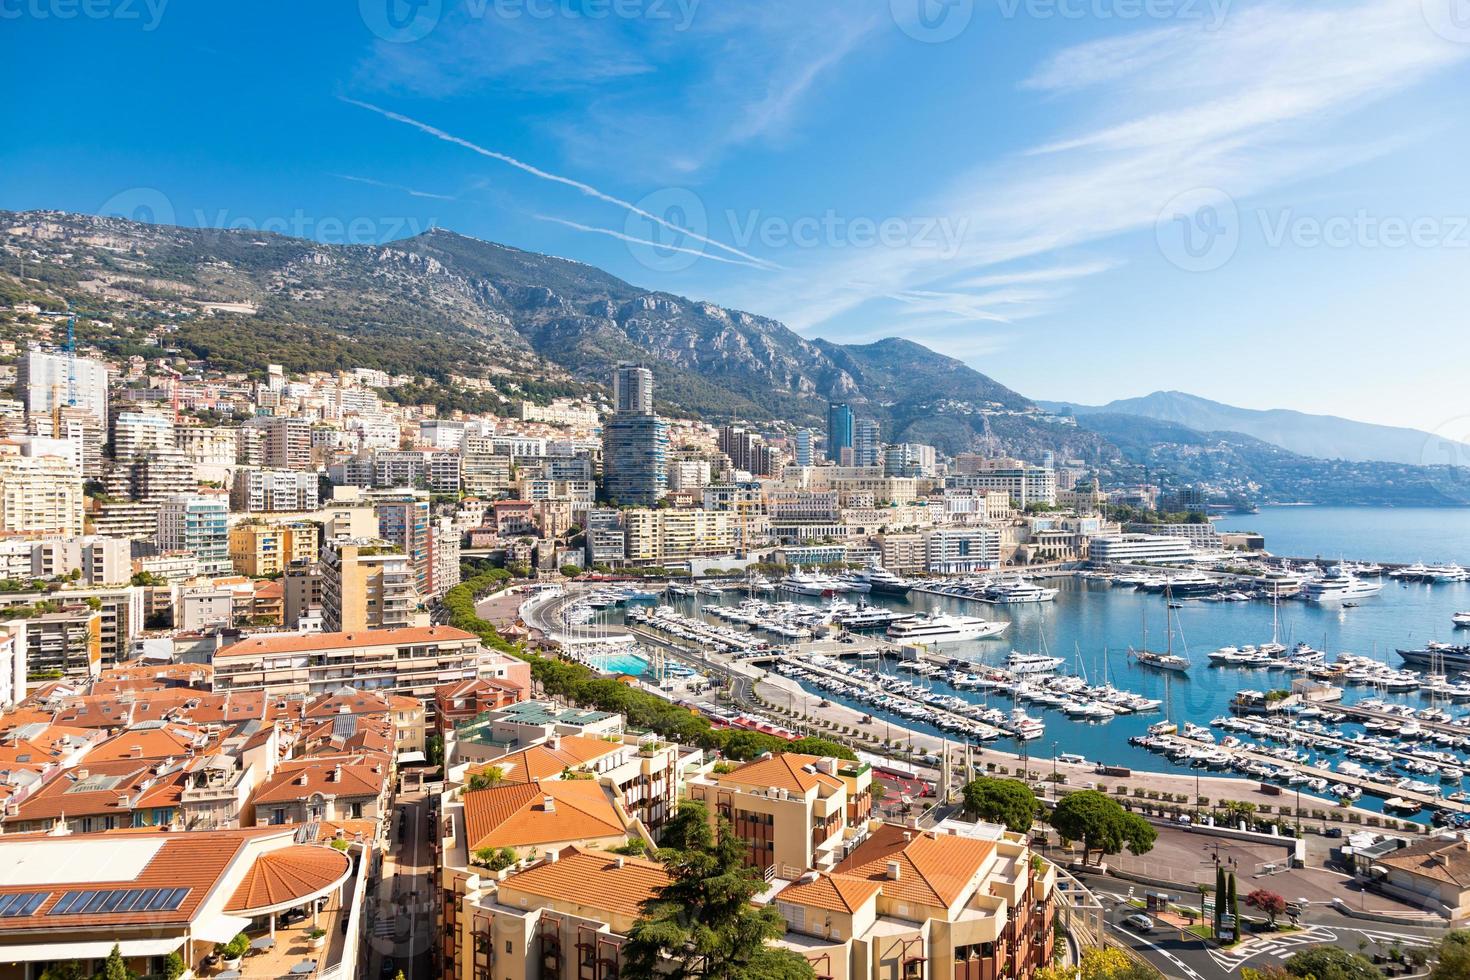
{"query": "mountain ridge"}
(1318, 436)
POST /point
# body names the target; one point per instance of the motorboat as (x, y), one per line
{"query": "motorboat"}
(944, 628)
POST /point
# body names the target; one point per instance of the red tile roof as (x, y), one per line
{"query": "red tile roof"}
(593, 878)
(266, 643)
(516, 815)
(934, 869)
(289, 874)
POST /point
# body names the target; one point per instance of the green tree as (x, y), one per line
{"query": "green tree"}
(1332, 963)
(434, 750)
(571, 571)
(67, 970)
(485, 778)
(1452, 959)
(1003, 801)
(702, 923)
(1102, 825)
(116, 968)
(822, 747)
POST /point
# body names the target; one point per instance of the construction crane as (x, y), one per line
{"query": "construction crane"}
(71, 360)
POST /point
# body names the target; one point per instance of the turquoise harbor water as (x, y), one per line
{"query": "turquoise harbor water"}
(1092, 624)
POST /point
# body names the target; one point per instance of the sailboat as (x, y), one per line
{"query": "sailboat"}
(1169, 660)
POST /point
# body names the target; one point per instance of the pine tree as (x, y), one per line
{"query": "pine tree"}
(701, 924)
(1219, 896)
(116, 968)
(1234, 906)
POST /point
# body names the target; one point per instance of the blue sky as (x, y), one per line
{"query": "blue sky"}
(1260, 202)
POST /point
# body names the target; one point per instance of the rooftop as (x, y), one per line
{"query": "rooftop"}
(305, 643)
(517, 815)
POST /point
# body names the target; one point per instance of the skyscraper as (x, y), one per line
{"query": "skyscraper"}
(635, 442)
(633, 390)
(867, 446)
(804, 454)
(839, 430)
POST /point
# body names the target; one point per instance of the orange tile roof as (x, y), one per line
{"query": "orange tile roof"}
(593, 878)
(320, 776)
(167, 741)
(1446, 860)
(117, 787)
(934, 869)
(790, 771)
(831, 892)
(290, 643)
(543, 762)
(515, 815)
(195, 860)
(289, 874)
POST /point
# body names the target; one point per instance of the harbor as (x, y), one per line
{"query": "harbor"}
(1086, 632)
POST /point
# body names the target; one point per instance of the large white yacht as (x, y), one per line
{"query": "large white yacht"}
(1017, 590)
(944, 628)
(1337, 584)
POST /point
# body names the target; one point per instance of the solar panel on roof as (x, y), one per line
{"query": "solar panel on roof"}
(114, 900)
(21, 903)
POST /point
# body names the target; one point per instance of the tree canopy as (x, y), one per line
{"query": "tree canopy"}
(702, 924)
(1102, 825)
(1332, 963)
(1453, 959)
(1003, 801)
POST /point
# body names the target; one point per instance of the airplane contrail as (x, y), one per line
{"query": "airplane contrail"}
(534, 171)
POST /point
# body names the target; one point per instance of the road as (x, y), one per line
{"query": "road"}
(403, 920)
(1180, 955)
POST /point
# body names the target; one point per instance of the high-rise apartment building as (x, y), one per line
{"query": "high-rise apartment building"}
(367, 585)
(285, 441)
(198, 525)
(258, 549)
(135, 433)
(867, 444)
(635, 442)
(44, 380)
(633, 390)
(839, 430)
(805, 455)
(405, 523)
(262, 491)
(40, 494)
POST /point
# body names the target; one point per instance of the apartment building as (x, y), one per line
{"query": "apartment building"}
(956, 550)
(934, 903)
(1026, 484)
(1140, 548)
(197, 525)
(102, 561)
(258, 549)
(367, 585)
(794, 812)
(62, 644)
(263, 490)
(411, 661)
(40, 495)
(658, 536)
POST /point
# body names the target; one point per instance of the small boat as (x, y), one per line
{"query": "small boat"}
(1400, 805)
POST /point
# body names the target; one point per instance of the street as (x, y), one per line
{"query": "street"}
(401, 926)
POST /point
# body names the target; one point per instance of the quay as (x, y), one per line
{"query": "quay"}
(1362, 783)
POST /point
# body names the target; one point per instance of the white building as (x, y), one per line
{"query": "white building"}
(962, 549)
(1144, 548)
(40, 494)
(198, 525)
(42, 377)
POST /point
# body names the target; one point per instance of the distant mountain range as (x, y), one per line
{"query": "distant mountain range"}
(465, 315)
(441, 304)
(1320, 436)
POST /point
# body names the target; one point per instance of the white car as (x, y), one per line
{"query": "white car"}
(1140, 922)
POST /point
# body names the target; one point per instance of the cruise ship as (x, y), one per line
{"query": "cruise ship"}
(1442, 657)
(1338, 584)
(944, 628)
(1031, 663)
(1016, 591)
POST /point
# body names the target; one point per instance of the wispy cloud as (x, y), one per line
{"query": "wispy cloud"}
(664, 93)
(411, 192)
(581, 186)
(1249, 108)
(623, 237)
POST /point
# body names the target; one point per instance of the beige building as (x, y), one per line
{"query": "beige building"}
(910, 903)
(795, 812)
(368, 585)
(411, 661)
(658, 536)
(260, 549)
(1432, 873)
(40, 495)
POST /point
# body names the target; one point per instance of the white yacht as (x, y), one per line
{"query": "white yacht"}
(1017, 590)
(883, 581)
(1025, 727)
(803, 583)
(944, 628)
(1338, 584)
(1031, 663)
(1461, 619)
